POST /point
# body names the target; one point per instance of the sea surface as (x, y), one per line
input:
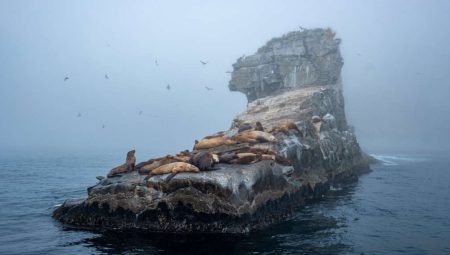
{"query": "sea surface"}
(401, 207)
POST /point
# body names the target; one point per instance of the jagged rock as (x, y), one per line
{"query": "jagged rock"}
(294, 78)
(295, 60)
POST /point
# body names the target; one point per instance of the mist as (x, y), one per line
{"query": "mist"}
(395, 72)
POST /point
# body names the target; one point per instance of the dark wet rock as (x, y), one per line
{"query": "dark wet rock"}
(322, 148)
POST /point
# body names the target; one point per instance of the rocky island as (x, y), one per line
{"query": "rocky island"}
(290, 145)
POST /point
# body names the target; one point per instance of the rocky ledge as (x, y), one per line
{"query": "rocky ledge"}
(293, 79)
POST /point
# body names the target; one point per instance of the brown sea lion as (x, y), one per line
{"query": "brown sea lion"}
(245, 126)
(213, 142)
(259, 126)
(155, 163)
(127, 167)
(254, 136)
(245, 158)
(176, 167)
(204, 160)
(267, 154)
(284, 127)
(227, 157)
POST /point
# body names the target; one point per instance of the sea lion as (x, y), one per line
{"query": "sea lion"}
(155, 163)
(284, 127)
(208, 143)
(267, 154)
(254, 136)
(204, 160)
(245, 158)
(131, 158)
(259, 126)
(227, 157)
(243, 127)
(127, 167)
(176, 167)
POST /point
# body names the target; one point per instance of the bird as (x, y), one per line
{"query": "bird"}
(66, 78)
(156, 63)
(140, 112)
(79, 115)
(103, 126)
(208, 88)
(168, 87)
(106, 76)
(301, 28)
(204, 62)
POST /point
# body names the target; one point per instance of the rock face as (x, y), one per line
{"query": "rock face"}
(295, 60)
(293, 78)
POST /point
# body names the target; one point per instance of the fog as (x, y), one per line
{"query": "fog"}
(395, 75)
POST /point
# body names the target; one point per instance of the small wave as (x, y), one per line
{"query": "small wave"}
(57, 205)
(391, 160)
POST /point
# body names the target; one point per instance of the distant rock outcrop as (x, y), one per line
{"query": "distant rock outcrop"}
(293, 85)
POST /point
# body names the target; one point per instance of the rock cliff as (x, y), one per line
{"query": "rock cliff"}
(293, 78)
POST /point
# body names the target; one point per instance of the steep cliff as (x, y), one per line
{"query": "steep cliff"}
(295, 79)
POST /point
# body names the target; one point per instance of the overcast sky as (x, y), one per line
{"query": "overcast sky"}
(396, 70)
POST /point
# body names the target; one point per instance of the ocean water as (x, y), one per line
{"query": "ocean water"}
(401, 207)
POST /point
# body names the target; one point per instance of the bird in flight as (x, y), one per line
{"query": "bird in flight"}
(66, 78)
(208, 88)
(79, 115)
(156, 63)
(140, 112)
(168, 87)
(103, 126)
(106, 76)
(204, 62)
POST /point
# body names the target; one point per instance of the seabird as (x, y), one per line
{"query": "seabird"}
(208, 88)
(103, 126)
(204, 62)
(302, 28)
(168, 87)
(79, 115)
(106, 76)
(156, 62)
(140, 112)
(66, 78)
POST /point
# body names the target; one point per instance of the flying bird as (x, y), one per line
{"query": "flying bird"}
(208, 88)
(106, 76)
(79, 115)
(140, 112)
(156, 63)
(204, 62)
(66, 78)
(168, 87)
(103, 126)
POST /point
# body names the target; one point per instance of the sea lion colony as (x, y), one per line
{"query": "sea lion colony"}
(249, 145)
